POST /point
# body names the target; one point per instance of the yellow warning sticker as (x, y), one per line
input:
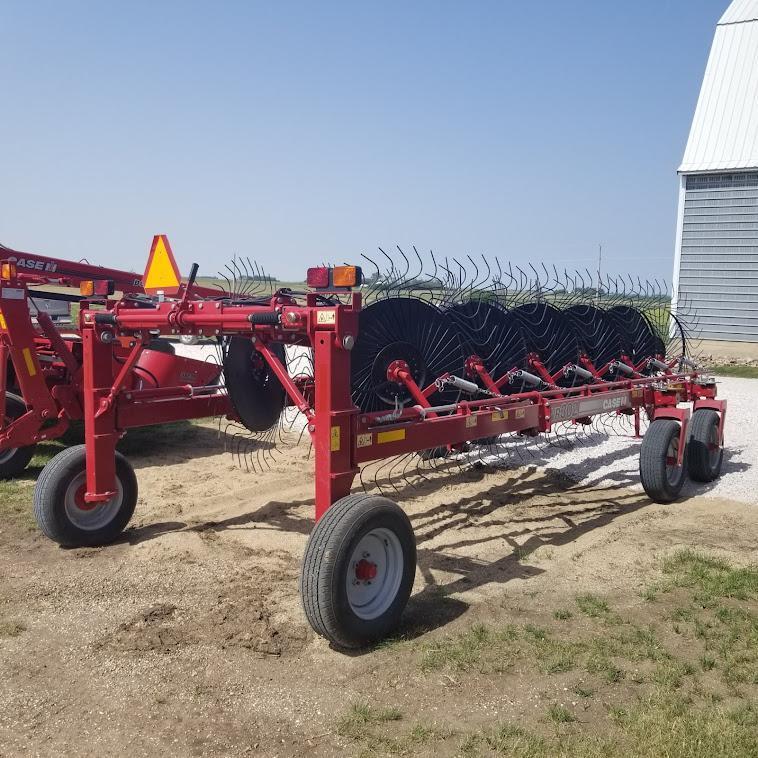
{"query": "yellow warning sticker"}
(326, 317)
(161, 272)
(471, 421)
(3, 325)
(30, 367)
(365, 440)
(394, 436)
(499, 415)
(335, 439)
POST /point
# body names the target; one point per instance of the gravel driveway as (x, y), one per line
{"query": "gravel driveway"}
(594, 455)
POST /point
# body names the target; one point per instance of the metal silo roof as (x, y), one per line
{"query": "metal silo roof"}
(724, 132)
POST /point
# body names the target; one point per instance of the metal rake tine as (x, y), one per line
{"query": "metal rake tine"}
(404, 277)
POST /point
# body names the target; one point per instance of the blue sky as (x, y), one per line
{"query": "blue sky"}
(301, 132)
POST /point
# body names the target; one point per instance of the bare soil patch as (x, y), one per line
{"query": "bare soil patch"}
(187, 638)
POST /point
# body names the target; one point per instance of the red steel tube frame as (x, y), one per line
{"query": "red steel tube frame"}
(343, 436)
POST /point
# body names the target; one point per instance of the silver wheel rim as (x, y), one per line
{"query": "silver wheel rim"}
(374, 573)
(714, 449)
(88, 517)
(672, 456)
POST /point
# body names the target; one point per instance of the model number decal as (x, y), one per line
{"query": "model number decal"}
(586, 407)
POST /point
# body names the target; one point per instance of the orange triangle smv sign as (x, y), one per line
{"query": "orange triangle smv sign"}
(161, 272)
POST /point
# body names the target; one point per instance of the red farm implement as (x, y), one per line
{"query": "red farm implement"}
(430, 374)
(41, 372)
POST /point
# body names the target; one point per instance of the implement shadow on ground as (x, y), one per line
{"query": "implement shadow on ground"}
(490, 514)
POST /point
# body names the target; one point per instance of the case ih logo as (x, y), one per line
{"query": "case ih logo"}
(31, 265)
(611, 403)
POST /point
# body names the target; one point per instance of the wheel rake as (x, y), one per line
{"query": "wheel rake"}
(432, 366)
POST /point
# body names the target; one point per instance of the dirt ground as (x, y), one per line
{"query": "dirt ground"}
(187, 637)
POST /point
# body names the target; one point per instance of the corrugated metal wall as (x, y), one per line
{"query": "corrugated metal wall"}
(718, 271)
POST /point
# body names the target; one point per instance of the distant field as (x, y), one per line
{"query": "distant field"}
(746, 372)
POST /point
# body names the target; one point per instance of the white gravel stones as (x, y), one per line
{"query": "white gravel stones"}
(592, 457)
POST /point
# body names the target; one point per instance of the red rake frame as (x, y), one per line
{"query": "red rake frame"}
(343, 436)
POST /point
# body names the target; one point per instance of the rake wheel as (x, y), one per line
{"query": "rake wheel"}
(639, 339)
(409, 330)
(256, 394)
(597, 333)
(549, 333)
(491, 333)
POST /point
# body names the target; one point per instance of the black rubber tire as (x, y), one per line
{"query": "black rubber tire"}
(327, 561)
(19, 459)
(49, 500)
(701, 466)
(660, 482)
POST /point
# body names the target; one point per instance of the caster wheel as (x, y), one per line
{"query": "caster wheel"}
(358, 570)
(705, 453)
(661, 477)
(61, 511)
(13, 461)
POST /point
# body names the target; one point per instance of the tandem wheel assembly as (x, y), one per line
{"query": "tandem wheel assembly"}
(661, 473)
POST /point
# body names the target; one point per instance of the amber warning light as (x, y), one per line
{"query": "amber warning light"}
(339, 277)
(100, 288)
(8, 271)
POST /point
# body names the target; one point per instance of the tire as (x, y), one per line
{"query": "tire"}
(661, 480)
(60, 511)
(349, 609)
(704, 454)
(14, 460)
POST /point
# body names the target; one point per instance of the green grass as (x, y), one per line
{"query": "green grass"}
(559, 714)
(366, 726)
(742, 371)
(676, 678)
(356, 723)
(592, 606)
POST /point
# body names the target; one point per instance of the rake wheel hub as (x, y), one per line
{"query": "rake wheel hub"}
(396, 357)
